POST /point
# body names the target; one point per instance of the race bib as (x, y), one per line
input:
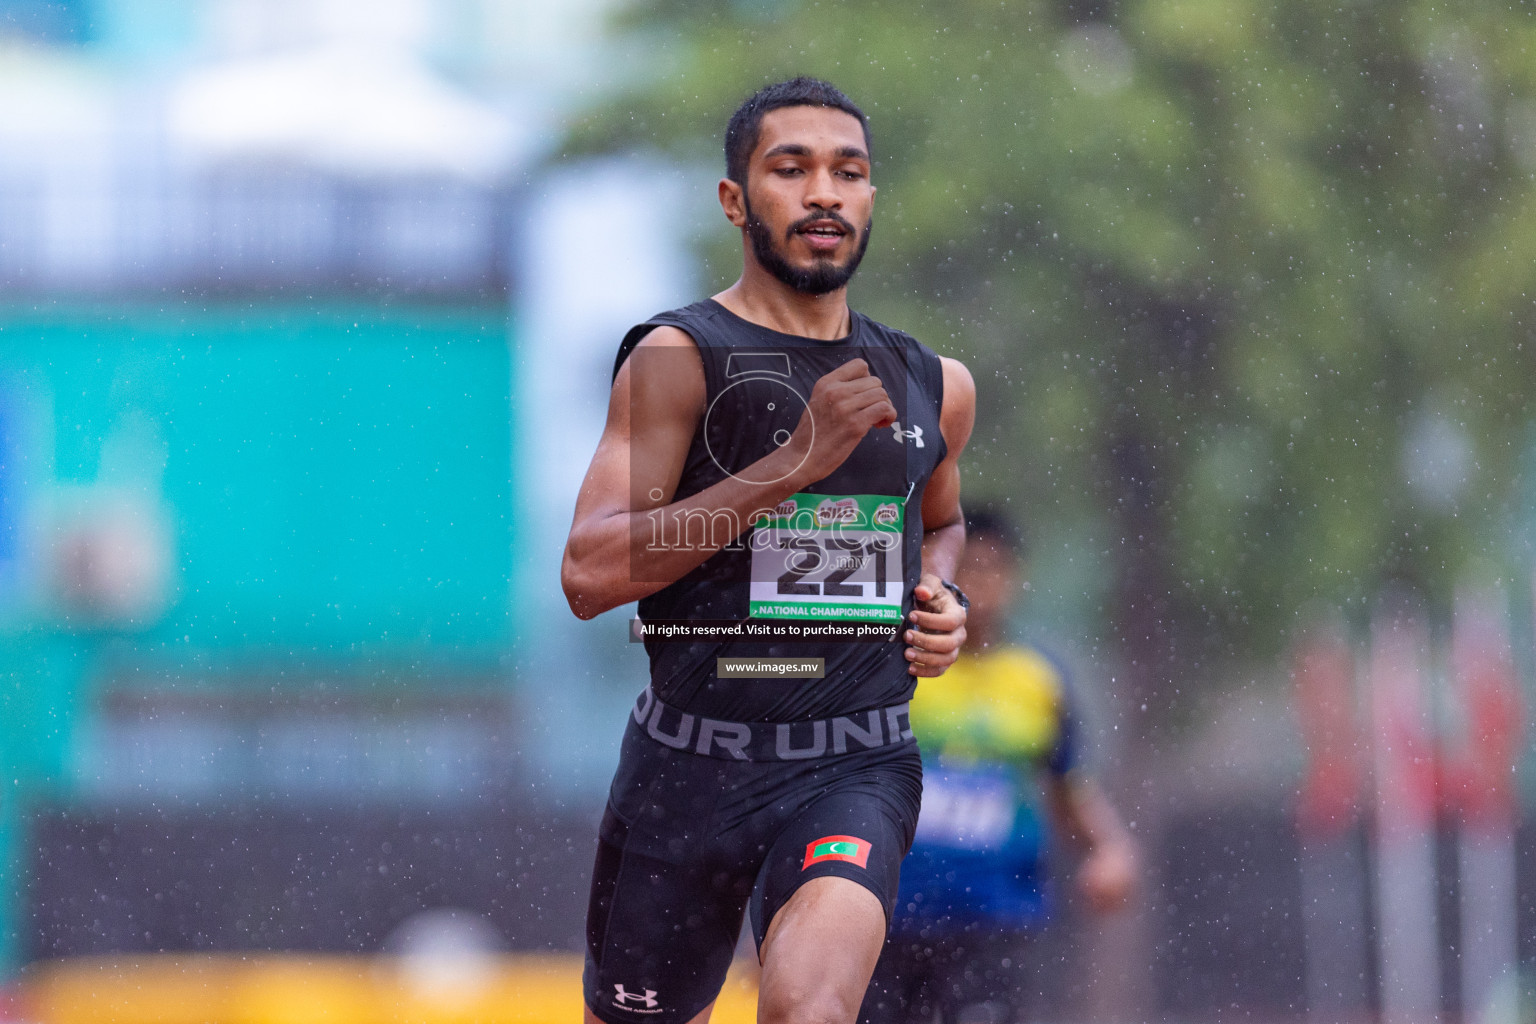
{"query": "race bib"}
(825, 556)
(969, 810)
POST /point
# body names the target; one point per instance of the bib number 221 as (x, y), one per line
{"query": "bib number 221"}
(829, 557)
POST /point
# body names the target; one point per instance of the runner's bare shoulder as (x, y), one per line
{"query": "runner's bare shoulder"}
(666, 336)
(665, 372)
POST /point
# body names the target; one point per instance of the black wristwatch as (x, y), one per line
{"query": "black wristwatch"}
(965, 602)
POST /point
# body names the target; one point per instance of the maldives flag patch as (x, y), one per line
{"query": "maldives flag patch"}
(849, 849)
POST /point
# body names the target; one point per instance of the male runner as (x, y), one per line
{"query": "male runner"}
(775, 459)
(1001, 726)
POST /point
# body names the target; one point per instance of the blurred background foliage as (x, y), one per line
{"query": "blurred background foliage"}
(1243, 284)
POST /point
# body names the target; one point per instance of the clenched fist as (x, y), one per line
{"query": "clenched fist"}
(845, 405)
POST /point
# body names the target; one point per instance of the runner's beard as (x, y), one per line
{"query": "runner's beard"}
(820, 277)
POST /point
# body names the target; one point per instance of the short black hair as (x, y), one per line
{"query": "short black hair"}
(742, 130)
(996, 525)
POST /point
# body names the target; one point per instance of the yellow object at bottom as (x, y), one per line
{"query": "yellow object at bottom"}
(327, 989)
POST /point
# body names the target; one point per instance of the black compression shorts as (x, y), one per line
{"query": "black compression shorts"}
(688, 842)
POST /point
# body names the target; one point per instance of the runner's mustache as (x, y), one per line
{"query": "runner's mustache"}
(805, 222)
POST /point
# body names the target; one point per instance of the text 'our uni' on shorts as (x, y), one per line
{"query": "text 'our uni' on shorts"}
(690, 842)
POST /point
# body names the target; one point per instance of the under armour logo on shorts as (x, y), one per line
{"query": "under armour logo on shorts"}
(623, 997)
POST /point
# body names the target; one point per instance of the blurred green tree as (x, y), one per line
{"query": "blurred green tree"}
(1244, 284)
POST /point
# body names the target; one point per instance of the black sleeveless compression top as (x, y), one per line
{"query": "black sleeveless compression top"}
(848, 549)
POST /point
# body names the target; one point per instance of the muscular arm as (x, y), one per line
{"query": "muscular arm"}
(943, 522)
(656, 403)
(625, 504)
(938, 617)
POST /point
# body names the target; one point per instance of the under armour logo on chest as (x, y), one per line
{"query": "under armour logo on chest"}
(900, 436)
